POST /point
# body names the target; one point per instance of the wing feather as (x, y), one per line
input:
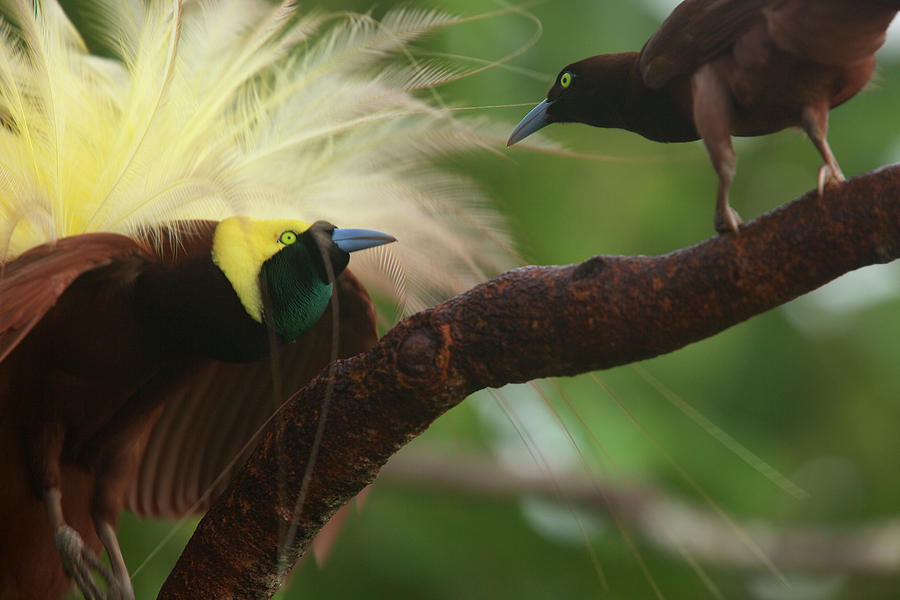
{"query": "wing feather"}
(696, 31)
(31, 284)
(831, 32)
(207, 428)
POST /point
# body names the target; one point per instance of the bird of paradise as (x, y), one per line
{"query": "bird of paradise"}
(175, 198)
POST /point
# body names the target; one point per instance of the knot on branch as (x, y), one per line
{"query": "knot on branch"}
(422, 357)
(590, 268)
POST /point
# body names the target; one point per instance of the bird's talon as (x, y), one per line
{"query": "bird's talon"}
(79, 563)
(828, 176)
(728, 222)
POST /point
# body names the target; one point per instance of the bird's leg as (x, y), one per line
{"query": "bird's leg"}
(726, 219)
(104, 513)
(815, 124)
(77, 559)
(113, 471)
(120, 581)
(712, 118)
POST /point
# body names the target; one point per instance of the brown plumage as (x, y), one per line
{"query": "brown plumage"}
(717, 68)
(134, 423)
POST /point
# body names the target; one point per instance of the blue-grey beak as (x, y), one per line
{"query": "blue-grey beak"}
(351, 240)
(534, 120)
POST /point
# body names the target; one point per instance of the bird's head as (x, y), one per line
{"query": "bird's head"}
(282, 270)
(588, 91)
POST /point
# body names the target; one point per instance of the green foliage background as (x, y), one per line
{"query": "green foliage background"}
(811, 388)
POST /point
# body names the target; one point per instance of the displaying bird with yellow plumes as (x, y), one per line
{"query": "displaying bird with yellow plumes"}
(167, 187)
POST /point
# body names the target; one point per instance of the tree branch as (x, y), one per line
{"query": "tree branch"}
(528, 323)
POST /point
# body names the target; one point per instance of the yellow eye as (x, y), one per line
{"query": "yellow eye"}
(287, 238)
(565, 79)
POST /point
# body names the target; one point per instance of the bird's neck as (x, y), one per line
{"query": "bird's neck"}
(616, 96)
(296, 290)
(661, 115)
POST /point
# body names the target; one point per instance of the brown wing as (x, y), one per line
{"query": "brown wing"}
(207, 428)
(32, 283)
(831, 32)
(695, 32)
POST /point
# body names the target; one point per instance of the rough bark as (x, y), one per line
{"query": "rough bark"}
(528, 323)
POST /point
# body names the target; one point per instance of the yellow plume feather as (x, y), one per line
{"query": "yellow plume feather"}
(210, 110)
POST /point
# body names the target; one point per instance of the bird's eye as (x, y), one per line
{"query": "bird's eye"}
(287, 238)
(565, 79)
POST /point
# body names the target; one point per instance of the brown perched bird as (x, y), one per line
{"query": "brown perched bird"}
(148, 329)
(718, 68)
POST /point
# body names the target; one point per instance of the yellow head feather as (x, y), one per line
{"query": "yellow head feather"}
(217, 109)
(241, 245)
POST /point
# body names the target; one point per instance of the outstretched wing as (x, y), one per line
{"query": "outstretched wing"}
(32, 283)
(695, 32)
(208, 427)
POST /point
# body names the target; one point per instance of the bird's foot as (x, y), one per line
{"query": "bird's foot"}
(727, 221)
(80, 563)
(828, 175)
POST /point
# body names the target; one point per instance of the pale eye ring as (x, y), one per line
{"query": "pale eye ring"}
(287, 237)
(565, 80)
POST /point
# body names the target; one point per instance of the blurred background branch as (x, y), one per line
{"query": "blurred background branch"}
(662, 518)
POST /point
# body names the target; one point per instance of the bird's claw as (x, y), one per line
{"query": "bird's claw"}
(828, 175)
(80, 563)
(727, 221)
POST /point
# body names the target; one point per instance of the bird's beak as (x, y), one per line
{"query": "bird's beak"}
(534, 120)
(351, 240)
